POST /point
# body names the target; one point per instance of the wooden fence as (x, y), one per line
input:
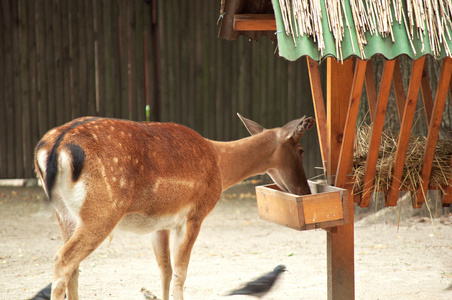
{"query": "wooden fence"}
(63, 59)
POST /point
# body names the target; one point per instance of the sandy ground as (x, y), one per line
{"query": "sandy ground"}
(234, 246)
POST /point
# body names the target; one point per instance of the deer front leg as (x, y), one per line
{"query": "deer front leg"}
(185, 238)
(160, 244)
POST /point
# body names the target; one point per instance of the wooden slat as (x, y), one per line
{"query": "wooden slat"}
(339, 84)
(346, 154)
(399, 90)
(57, 59)
(371, 91)
(405, 129)
(433, 130)
(18, 92)
(90, 59)
(65, 103)
(426, 93)
(319, 107)
(4, 46)
(447, 198)
(254, 22)
(25, 83)
(377, 129)
(340, 243)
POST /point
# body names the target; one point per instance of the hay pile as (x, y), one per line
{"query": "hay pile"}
(441, 169)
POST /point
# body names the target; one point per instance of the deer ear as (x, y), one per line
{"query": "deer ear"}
(296, 128)
(251, 126)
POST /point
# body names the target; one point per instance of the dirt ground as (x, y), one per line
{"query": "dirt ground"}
(234, 246)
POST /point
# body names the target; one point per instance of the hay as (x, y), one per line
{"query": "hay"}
(441, 173)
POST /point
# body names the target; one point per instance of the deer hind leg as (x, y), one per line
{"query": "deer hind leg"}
(67, 230)
(160, 244)
(88, 235)
(184, 239)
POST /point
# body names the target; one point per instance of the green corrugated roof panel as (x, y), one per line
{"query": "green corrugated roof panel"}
(375, 43)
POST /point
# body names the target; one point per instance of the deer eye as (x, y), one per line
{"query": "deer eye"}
(300, 151)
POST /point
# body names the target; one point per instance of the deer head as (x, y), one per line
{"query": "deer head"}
(286, 169)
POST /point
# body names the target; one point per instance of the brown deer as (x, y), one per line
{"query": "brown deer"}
(151, 178)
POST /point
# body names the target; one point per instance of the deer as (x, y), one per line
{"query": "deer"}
(103, 174)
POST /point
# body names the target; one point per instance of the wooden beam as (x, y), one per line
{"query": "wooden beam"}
(433, 130)
(371, 91)
(405, 129)
(340, 242)
(346, 154)
(319, 108)
(399, 90)
(377, 129)
(339, 84)
(254, 22)
(426, 93)
(447, 198)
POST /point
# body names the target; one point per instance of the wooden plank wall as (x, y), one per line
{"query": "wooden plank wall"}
(63, 59)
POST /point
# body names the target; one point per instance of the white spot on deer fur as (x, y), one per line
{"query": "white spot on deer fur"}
(172, 183)
(129, 157)
(136, 160)
(95, 136)
(114, 179)
(122, 132)
(122, 182)
(115, 159)
(130, 135)
(112, 128)
(96, 126)
(104, 176)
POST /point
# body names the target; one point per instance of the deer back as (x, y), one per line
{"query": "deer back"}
(152, 168)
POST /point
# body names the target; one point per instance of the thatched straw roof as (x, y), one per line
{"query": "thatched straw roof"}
(342, 28)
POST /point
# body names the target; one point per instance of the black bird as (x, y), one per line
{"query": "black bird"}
(261, 285)
(44, 294)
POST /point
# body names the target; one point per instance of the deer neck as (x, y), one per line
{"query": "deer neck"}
(244, 158)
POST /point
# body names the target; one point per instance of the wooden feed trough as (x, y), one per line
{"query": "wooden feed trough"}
(326, 207)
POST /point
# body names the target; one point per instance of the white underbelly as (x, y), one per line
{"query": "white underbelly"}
(143, 224)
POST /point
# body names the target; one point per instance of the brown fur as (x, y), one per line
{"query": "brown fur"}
(158, 175)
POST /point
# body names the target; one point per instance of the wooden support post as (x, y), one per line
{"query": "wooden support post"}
(433, 129)
(340, 243)
(346, 155)
(399, 90)
(319, 108)
(405, 130)
(377, 129)
(371, 90)
(426, 93)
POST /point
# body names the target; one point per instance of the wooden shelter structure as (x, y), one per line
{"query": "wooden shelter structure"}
(347, 33)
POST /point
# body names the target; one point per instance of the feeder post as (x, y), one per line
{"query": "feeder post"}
(340, 242)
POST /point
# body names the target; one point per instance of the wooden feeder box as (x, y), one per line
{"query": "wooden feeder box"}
(326, 207)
